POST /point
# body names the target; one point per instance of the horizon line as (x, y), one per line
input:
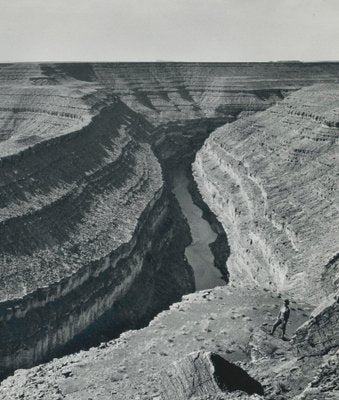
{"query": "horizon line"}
(163, 61)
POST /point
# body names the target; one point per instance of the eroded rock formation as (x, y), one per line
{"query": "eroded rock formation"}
(205, 374)
(92, 238)
(321, 333)
(271, 180)
(223, 320)
(81, 199)
(166, 92)
(73, 207)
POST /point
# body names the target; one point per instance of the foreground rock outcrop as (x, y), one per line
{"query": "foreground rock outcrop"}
(229, 321)
(203, 375)
(321, 333)
(270, 180)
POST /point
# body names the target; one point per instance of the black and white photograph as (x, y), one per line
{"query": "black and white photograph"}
(169, 199)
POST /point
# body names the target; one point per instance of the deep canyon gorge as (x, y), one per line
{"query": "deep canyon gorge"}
(126, 186)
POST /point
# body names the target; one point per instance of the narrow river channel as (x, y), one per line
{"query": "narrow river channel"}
(198, 253)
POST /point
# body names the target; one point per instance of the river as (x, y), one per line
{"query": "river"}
(198, 253)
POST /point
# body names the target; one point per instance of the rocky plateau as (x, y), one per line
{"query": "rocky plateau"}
(124, 187)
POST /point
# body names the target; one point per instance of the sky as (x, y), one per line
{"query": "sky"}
(169, 30)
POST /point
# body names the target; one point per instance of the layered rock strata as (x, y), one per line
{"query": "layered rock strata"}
(80, 203)
(321, 333)
(91, 236)
(165, 92)
(221, 321)
(324, 385)
(64, 199)
(270, 179)
(205, 374)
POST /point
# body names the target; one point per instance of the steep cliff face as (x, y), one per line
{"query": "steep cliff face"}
(83, 208)
(270, 179)
(63, 196)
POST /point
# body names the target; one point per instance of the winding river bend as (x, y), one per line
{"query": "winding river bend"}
(178, 247)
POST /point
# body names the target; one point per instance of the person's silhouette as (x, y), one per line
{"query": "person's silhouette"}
(282, 319)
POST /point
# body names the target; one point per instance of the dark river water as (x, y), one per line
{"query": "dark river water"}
(198, 253)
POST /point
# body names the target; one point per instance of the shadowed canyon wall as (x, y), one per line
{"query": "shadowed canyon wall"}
(87, 216)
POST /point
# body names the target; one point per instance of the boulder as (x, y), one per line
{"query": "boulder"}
(202, 374)
(320, 333)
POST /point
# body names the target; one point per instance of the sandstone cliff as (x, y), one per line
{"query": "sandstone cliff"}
(82, 205)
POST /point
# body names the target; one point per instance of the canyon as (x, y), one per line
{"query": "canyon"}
(283, 227)
(125, 186)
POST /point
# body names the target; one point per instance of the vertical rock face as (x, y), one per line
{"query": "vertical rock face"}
(81, 199)
(81, 208)
(270, 179)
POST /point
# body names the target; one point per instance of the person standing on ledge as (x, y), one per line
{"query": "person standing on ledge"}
(282, 319)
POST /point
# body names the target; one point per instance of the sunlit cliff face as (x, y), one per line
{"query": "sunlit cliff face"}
(269, 179)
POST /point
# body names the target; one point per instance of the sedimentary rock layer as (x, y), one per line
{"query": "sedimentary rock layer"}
(63, 201)
(85, 216)
(221, 321)
(166, 92)
(271, 179)
(205, 374)
(321, 333)
(77, 200)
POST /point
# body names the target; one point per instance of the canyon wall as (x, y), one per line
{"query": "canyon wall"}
(82, 204)
(92, 239)
(270, 179)
(165, 92)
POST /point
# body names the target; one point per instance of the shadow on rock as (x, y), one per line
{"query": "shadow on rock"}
(205, 374)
